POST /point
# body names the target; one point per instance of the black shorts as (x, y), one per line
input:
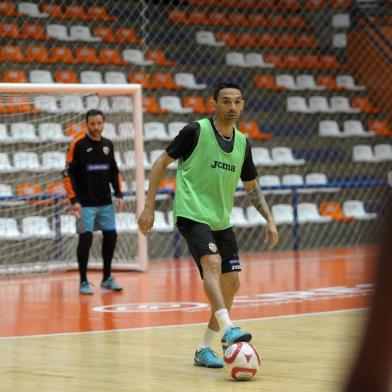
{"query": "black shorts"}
(203, 241)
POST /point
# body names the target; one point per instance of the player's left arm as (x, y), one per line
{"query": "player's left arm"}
(257, 199)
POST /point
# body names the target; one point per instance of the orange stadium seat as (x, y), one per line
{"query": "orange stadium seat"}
(11, 53)
(364, 104)
(150, 105)
(296, 21)
(168, 184)
(289, 4)
(273, 58)
(329, 61)
(276, 21)
(262, 4)
(30, 189)
(291, 60)
(61, 54)
(329, 82)
(237, 19)
(110, 56)
(98, 13)
(127, 35)
(210, 105)
(178, 16)
(105, 33)
(257, 20)
(335, 211)
(74, 129)
(86, 55)
(140, 78)
(310, 61)
(267, 82)
(316, 4)
(226, 37)
(19, 104)
(54, 10)
(306, 41)
(198, 18)
(247, 40)
(74, 11)
(33, 31)
(252, 130)
(66, 76)
(266, 40)
(380, 127)
(159, 58)
(341, 4)
(38, 54)
(286, 40)
(9, 30)
(163, 80)
(14, 76)
(8, 8)
(57, 188)
(218, 19)
(196, 103)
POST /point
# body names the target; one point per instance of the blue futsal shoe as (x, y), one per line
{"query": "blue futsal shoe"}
(234, 335)
(110, 284)
(207, 358)
(85, 288)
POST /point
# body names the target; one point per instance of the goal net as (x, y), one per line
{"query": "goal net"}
(37, 230)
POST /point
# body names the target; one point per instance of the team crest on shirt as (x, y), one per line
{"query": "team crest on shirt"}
(212, 247)
(106, 150)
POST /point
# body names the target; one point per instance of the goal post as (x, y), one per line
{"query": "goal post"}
(26, 245)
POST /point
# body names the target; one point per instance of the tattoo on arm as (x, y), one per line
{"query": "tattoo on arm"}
(257, 199)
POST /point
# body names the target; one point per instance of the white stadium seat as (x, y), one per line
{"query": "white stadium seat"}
(91, 77)
(254, 218)
(126, 222)
(135, 56)
(36, 227)
(31, 9)
(155, 131)
(356, 209)
(285, 156)
(261, 156)
(355, 128)
(40, 76)
(173, 104)
(9, 229)
(236, 59)
(342, 105)
(53, 161)
(23, 132)
(26, 161)
(286, 81)
(51, 132)
(126, 131)
(238, 218)
(207, 38)
(348, 82)
(307, 82)
(283, 214)
(188, 80)
(309, 213)
(46, 103)
(122, 104)
(363, 153)
(59, 32)
(383, 152)
(256, 60)
(319, 104)
(297, 104)
(82, 33)
(329, 128)
(68, 225)
(175, 127)
(115, 77)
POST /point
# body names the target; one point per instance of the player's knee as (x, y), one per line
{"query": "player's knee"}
(211, 265)
(110, 236)
(86, 239)
(231, 286)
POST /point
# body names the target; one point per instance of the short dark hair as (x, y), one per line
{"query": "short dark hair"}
(220, 86)
(94, 112)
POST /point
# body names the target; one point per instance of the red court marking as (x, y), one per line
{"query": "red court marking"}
(46, 304)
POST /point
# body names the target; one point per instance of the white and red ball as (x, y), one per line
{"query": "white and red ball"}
(241, 361)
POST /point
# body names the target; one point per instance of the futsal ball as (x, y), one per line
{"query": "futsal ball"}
(241, 361)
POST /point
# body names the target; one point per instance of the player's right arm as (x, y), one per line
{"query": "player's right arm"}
(146, 219)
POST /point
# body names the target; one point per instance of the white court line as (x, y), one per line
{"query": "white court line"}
(136, 329)
(37, 279)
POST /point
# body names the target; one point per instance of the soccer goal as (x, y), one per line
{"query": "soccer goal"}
(37, 230)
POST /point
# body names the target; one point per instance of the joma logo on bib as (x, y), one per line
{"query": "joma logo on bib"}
(222, 165)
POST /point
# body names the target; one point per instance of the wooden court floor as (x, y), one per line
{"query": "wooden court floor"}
(305, 312)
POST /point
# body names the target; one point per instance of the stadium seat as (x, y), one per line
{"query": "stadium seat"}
(318, 179)
(9, 30)
(36, 227)
(310, 61)
(74, 11)
(284, 156)
(19, 104)
(238, 218)
(257, 20)
(329, 128)
(214, 19)
(59, 32)
(286, 81)
(309, 213)
(236, 59)
(328, 81)
(23, 132)
(126, 222)
(380, 127)
(82, 33)
(252, 130)
(355, 128)
(66, 76)
(163, 80)
(5, 164)
(61, 54)
(53, 161)
(196, 103)
(159, 58)
(261, 156)
(115, 77)
(150, 105)
(290, 60)
(91, 77)
(383, 152)
(31, 10)
(342, 105)
(335, 211)
(188, 80)
(14, 76)
(100, 103)
(207, 38)
(161, 224)
(254, 218)
(173, 104)
(37, 54)
(71, 103)
(237, 19)
(306, 41)
(140, 78)
(135, 56)
(126, 131)
(293, 180)
(307, 82)
(339, 40)
(363, 153)
(8, 8)
(363, 104)
(110, 56)
(356, 209)
(283, 214)
(256, 60)
(266, 40)
(74, 128)
(347, 82)
(267, 82)
(297, 104)
(197, 17)
(286, 40)
(105, 33)
(127, 35)
(46, 103)
(228, 38)
(4, 136)
(11, 53)
(26, 161)
(86, 55)
(121, 104)
(51, 132)
(271, 180)
(155, 131)
(168, 184)
(340, 21)
(130, 162)
(40, 76)
(174, 128)
(329, 61)
(178, 16)
(9, 229)
(68, 225)
(245, 40)
(109, 131)
(98, 13)
(54, 10)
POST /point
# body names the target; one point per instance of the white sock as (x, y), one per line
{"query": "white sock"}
(208, 338)
(222, 316)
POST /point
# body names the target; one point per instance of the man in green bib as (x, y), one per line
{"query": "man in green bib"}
(213, 155)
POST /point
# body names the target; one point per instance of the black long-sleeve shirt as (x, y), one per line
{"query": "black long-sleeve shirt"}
(90, 169)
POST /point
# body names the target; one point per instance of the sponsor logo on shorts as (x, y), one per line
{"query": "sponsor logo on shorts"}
(213, 247)
(236, 267)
